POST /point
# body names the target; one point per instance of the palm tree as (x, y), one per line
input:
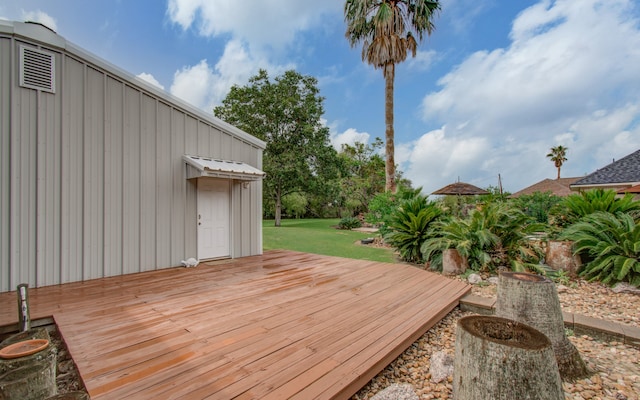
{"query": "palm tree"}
(558, 156)
(388, 30)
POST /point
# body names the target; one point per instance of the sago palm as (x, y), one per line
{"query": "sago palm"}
(576, 206)
(494, 236)
(613, 243)
(409, 227)
(388, 30)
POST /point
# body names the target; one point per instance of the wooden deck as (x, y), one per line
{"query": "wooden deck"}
(277, 326)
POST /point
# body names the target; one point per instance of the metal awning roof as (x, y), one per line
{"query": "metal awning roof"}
(208, 167)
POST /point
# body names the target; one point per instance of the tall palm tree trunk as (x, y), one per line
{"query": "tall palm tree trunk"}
(390, 164)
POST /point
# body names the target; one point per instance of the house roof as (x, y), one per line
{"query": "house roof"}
(460, 189)
(209, 167)
(559, 187)
(625, 171)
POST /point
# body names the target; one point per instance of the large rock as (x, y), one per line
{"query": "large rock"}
(624, 287)
(441, 366)
(397, 391)
(474, 279)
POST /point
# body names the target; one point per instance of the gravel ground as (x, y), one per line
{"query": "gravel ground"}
(616, 366)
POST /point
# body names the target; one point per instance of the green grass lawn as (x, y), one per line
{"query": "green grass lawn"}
(319, 236)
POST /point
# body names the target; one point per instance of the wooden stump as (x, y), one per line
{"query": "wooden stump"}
(453, 263)
(47, 359)
(32, 382)
(533, 300)
(498, 358)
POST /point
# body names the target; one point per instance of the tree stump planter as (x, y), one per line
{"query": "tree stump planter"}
(533, 300)
(559, 256)
(497, 358)
(37, 369)
(453, 263)
(32, 382)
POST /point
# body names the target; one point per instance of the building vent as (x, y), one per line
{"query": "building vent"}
(37, 69)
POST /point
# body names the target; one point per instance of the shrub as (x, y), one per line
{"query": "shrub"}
(409, 225)
(537, 205)
(576, 206)
(349, 223)
(494, 236)
(612, 241)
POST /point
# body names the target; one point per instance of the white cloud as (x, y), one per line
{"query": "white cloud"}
(205, 86)
(423, 60)
(350, 137)
(272, 23)
(41, 17)
(570, 74)
(150, 79)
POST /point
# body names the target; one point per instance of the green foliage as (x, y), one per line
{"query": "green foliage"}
(362, 174)
(494, 236)
(537, 205)
(408, 227)
(576, 206)
(287, 114)
(612, 240)
(294, 204)
(383, 206)
(349, 223)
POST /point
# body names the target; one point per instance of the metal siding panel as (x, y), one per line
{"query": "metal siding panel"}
(23, 189)
(113, 178)
(72, 180)
(48, 189)
(131, 182)
(179, 188)
(94, 174)
(5, 158)
(148, 184)
(164, 195)
(215, 148)
(204, 139)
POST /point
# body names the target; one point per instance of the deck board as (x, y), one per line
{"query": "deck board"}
(276, 326)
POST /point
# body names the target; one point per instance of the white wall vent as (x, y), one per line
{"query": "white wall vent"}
(37, 69)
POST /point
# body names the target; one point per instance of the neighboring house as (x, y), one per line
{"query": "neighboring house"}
(634, 190)
(102, 174)
(621, 174)
(559, 187)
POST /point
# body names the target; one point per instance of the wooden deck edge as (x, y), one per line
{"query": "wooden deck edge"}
(351, 389)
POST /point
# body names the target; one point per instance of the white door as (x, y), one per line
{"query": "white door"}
(213, 218)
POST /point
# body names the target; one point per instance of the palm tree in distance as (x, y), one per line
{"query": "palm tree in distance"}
(558, 156)
(388, 31)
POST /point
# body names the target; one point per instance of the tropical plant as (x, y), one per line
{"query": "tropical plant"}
(612, 241)
(576, 206)
(492, 237)
(388, 30)
(383, 206)
(349, 223)
(558, 155)
(409, 226)
(537, 205)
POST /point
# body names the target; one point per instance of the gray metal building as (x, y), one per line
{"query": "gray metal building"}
(102, 174)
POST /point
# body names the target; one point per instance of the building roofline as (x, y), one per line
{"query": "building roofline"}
(47, 37)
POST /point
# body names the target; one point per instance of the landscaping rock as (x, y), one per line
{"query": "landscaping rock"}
(624, 287)
(493, 280)
(397, 391)
(441, 366)
(474, 279)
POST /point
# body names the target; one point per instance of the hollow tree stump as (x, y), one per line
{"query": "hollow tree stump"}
(533, 300)
(498, 358)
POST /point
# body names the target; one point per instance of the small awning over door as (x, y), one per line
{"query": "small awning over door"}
(208, 167)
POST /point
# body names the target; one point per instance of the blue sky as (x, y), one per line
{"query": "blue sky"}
(497, 84)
